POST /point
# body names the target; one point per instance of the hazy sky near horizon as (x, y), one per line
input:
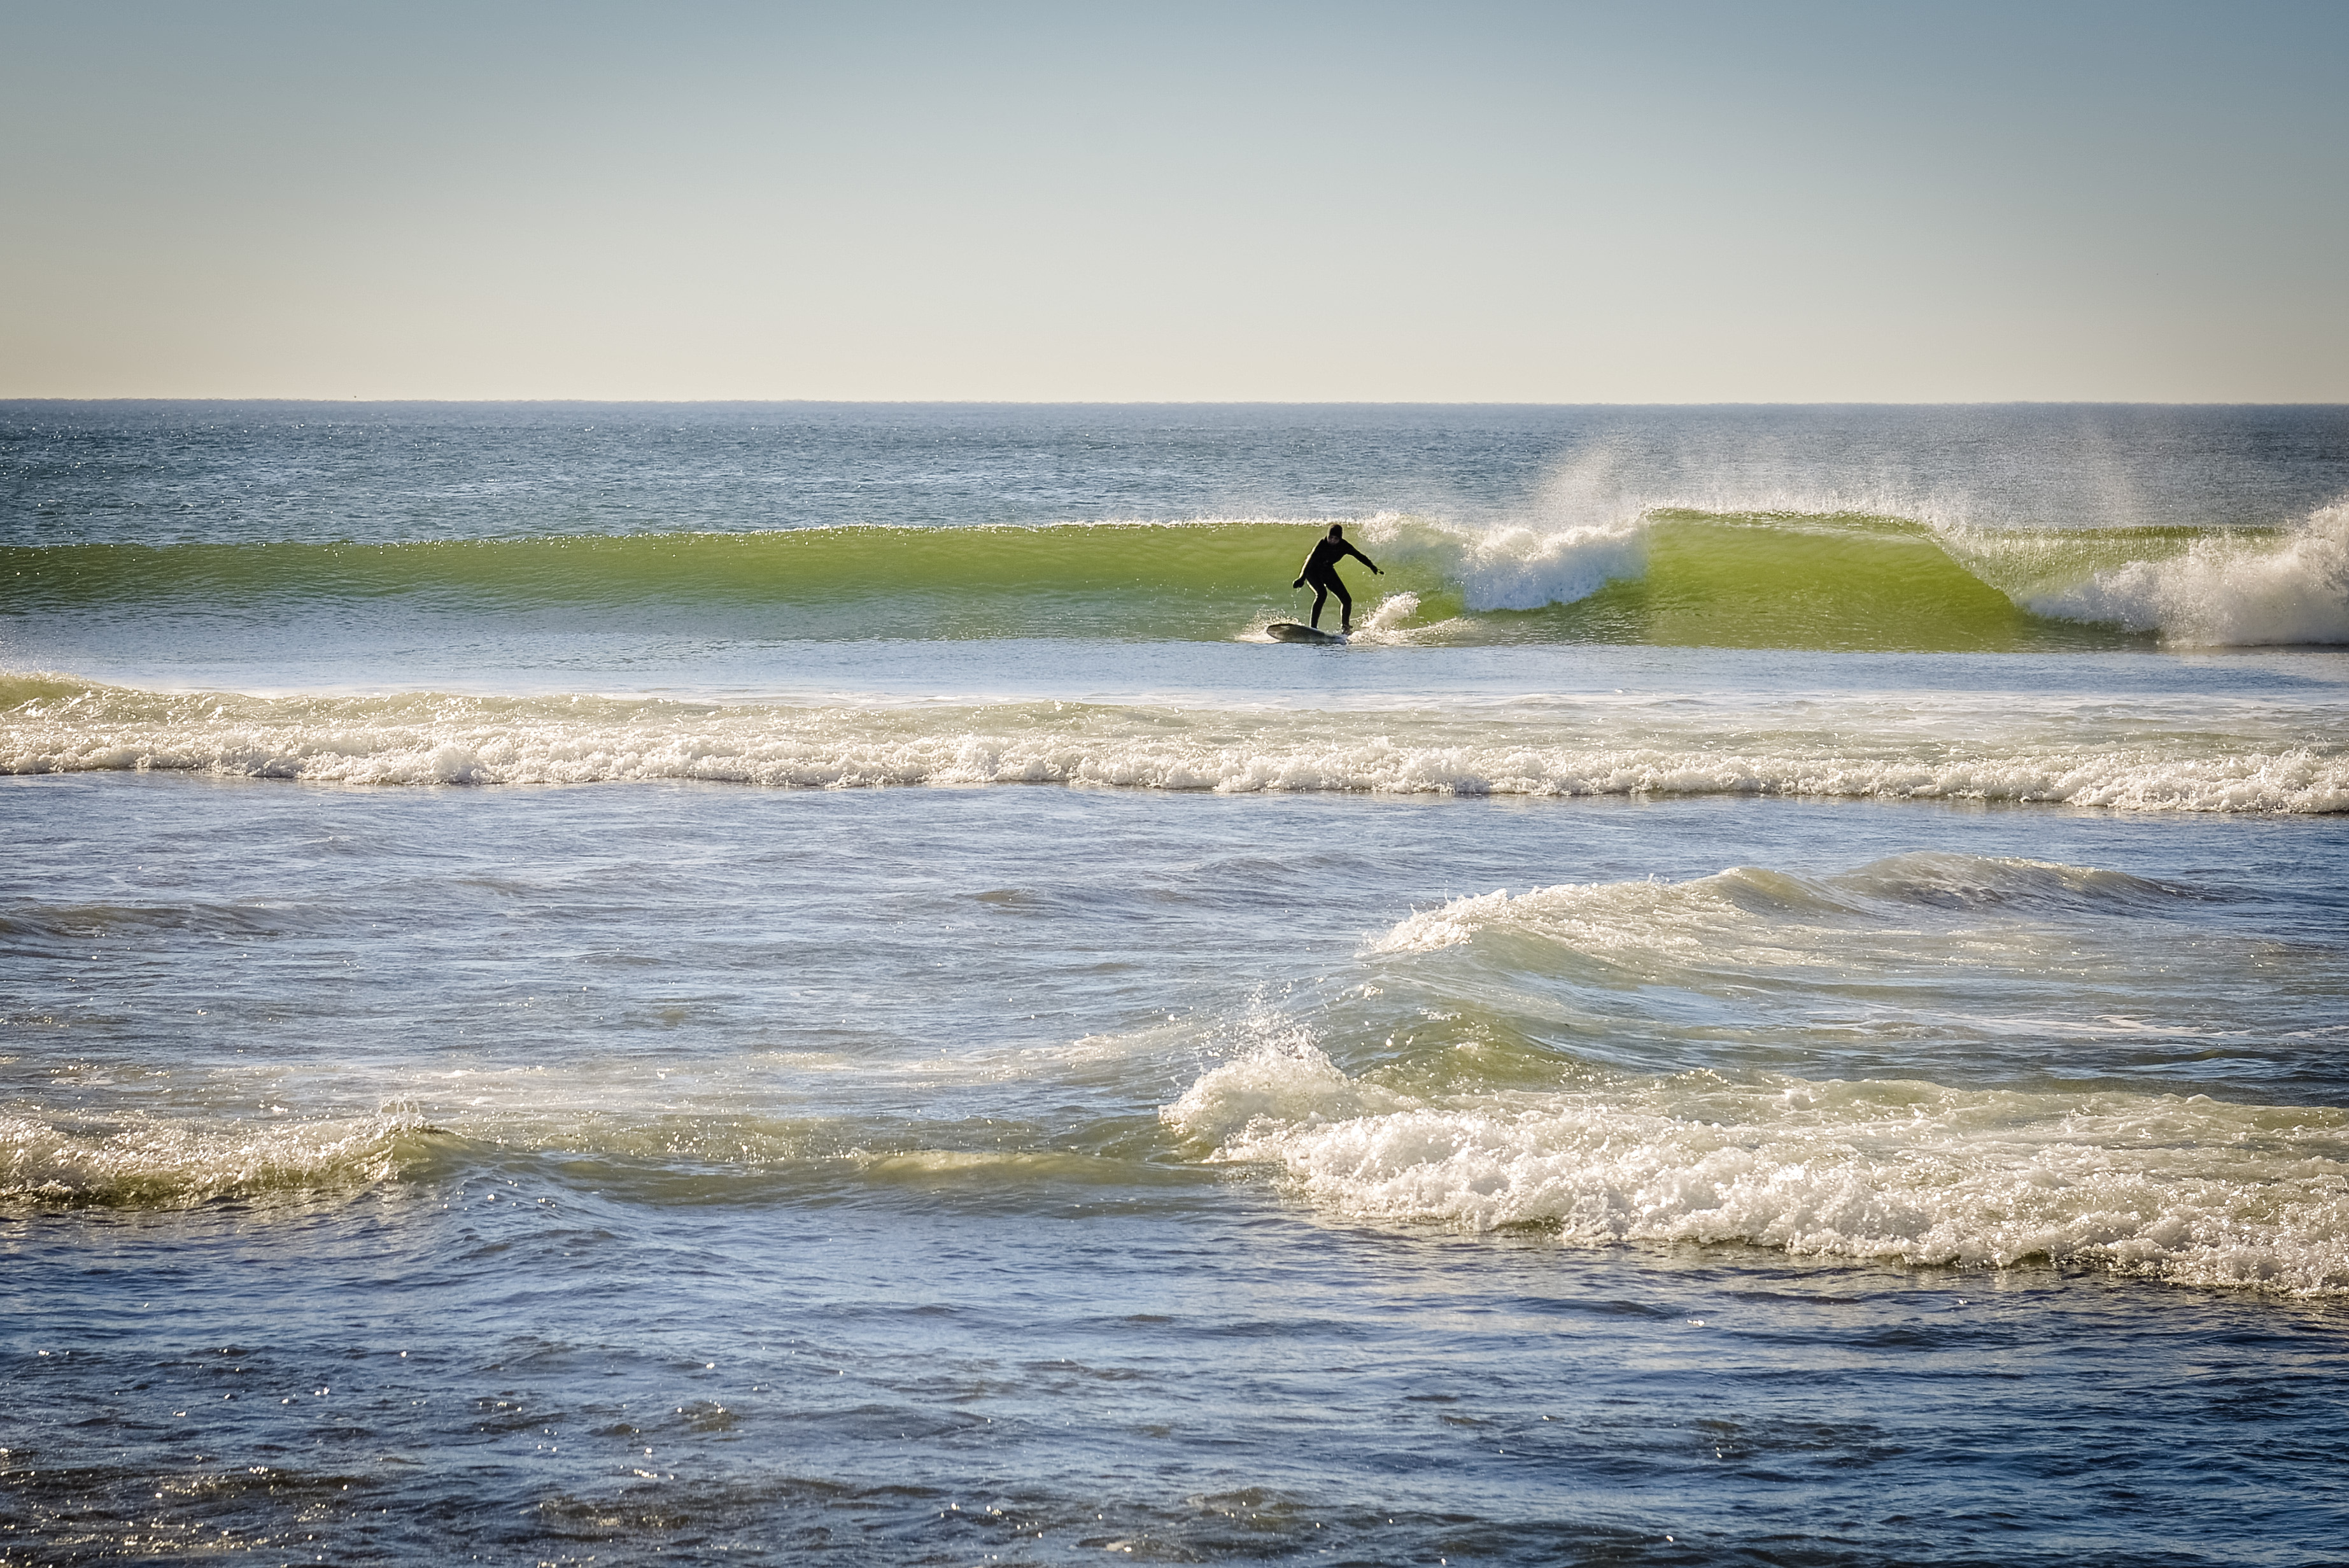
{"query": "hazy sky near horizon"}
(1489, 203)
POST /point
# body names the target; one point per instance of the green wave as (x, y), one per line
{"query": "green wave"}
(1854, 583)
(1159, 581)
(1675, 579)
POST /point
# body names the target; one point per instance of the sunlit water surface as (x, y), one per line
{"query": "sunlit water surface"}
(499, 1071)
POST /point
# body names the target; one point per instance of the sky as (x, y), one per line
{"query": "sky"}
(1482, 202)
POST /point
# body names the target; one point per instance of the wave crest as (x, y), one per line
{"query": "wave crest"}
(2227, 591)
(139, 1160)
(1586, 749)
(1734, 911)
(1664, 575)
(2186, 1190)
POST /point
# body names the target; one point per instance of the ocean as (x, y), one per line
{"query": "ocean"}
(718, 983)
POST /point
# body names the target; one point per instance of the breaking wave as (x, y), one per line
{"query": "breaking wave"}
(2227, 590)
(2190, 761)
(1661, 576)
(2183, 1188)
(139, 1160)
(1437, 1126)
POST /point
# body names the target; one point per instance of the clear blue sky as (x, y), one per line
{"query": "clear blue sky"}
(1669, 203)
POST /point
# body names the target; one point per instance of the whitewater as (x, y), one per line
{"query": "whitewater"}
(721, 983)
(2223, 753)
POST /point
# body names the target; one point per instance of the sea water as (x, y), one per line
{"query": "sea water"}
(1783, 1001)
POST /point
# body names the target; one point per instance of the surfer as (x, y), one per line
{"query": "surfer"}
(1321, 573)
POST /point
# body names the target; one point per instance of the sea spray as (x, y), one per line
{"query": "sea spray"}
(2225, 590)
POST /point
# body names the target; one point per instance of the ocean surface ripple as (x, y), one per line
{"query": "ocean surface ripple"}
(1781, 1001)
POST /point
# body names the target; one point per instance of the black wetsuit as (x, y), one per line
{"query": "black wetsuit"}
(1321, 574)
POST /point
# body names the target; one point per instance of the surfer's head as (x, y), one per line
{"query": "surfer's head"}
(1336, 530)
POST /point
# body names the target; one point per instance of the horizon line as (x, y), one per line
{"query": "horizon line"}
(10, 398)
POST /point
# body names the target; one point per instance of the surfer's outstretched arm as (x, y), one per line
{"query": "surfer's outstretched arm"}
(1365, 560)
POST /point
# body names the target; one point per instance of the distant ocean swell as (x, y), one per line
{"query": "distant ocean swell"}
(1664, 576)
(2222, 758)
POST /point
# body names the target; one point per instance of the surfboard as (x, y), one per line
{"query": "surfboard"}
(1289, 631)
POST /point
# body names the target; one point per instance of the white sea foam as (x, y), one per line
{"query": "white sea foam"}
(1516, 567)
(156, 1161)
(2250, 763)
(1388, 618)
(2228, 592)
(1385, 621)
(2182, 1189)
(2177, 1187)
